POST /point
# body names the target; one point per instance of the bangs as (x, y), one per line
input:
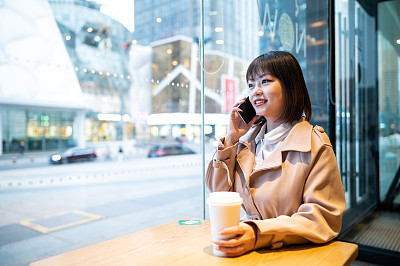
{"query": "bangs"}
(259, 67)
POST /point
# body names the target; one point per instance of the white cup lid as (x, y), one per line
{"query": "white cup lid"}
(224, 197)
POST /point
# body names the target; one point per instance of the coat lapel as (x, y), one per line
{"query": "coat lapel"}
(299, 139)
(247, 150)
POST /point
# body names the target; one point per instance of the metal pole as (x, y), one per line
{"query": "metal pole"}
(202, 103)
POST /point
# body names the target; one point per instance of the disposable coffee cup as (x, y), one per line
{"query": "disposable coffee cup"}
(224, 209)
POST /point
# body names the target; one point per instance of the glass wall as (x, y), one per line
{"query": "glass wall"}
(366, 78)
(124, 78)
(389, 107)
(302, 28)
(356, 106)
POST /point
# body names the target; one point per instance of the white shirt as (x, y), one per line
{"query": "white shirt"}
(267, 143)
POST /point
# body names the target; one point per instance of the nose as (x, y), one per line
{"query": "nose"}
(257, 90)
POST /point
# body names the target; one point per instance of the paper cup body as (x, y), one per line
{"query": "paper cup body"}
(224, 210)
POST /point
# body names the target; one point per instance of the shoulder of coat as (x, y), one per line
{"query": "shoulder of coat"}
(320, 132)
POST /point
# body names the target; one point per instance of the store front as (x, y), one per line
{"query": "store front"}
(108, 127)
(33, 130)
(28, 130)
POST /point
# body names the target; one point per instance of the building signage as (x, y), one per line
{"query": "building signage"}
(229, 85)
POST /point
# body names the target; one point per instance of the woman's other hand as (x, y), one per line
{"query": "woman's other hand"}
(243, 242)
(237, 127)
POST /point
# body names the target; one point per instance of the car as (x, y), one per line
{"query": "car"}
(158, 150)
(73, 155)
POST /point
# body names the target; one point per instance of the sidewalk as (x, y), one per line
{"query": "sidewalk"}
(28, 159)
(131, 150)
(37, 158)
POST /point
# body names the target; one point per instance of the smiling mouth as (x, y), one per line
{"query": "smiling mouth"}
(259, 102)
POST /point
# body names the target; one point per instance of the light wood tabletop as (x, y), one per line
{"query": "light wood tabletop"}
(175, 244)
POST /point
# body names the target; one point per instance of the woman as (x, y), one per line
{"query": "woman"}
(284, 168)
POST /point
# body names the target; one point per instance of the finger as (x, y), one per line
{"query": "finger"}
(253, 120)
(238, 230)
(231, 251)
(239, 102)
(228, 243)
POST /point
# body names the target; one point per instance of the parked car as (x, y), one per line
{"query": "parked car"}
(73, 155)
(158, 150)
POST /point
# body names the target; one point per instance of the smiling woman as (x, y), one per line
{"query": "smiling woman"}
(284, 169)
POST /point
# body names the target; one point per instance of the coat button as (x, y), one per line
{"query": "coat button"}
(320, 129)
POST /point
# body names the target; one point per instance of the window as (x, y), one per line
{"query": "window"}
(124, 80)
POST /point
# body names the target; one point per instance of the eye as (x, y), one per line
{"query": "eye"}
(265, 81)
(250, 86)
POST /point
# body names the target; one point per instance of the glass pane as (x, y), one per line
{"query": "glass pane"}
(100, 121)
(302, 29)
(367, 124)
(389, 111)
(355, 106)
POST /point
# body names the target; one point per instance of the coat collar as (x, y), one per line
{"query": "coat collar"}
(299, 139)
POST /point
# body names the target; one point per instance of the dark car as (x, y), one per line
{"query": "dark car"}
(74, 155)
(159, 150)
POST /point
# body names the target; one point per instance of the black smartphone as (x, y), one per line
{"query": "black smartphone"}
(248, 112)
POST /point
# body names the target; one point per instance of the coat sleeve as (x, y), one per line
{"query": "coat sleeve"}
(319, 218)
(220, 172)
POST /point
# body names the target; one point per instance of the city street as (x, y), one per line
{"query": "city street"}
(63, 207)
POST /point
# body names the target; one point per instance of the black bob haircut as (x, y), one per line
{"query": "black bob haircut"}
(285, 67)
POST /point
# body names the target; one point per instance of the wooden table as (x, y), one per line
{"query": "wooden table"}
(174, 244)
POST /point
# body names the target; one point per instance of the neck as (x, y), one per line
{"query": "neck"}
(272, 124)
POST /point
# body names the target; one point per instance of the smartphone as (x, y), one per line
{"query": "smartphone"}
(248, 112)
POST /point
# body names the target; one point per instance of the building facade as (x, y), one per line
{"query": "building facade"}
(159, 19)
(41, 102)
(96, 44)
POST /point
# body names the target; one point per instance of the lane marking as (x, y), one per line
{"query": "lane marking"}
(61, 220)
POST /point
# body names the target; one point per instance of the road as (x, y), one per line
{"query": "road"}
(52, 209)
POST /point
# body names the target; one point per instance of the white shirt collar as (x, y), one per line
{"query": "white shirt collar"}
(275, 135)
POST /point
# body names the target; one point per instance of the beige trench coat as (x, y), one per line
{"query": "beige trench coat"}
(296, 196)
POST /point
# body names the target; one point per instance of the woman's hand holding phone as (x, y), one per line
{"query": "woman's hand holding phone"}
(237, 125)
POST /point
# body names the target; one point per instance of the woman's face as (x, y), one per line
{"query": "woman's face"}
(267, 96)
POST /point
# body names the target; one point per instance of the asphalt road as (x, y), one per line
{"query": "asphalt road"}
(52, 209)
